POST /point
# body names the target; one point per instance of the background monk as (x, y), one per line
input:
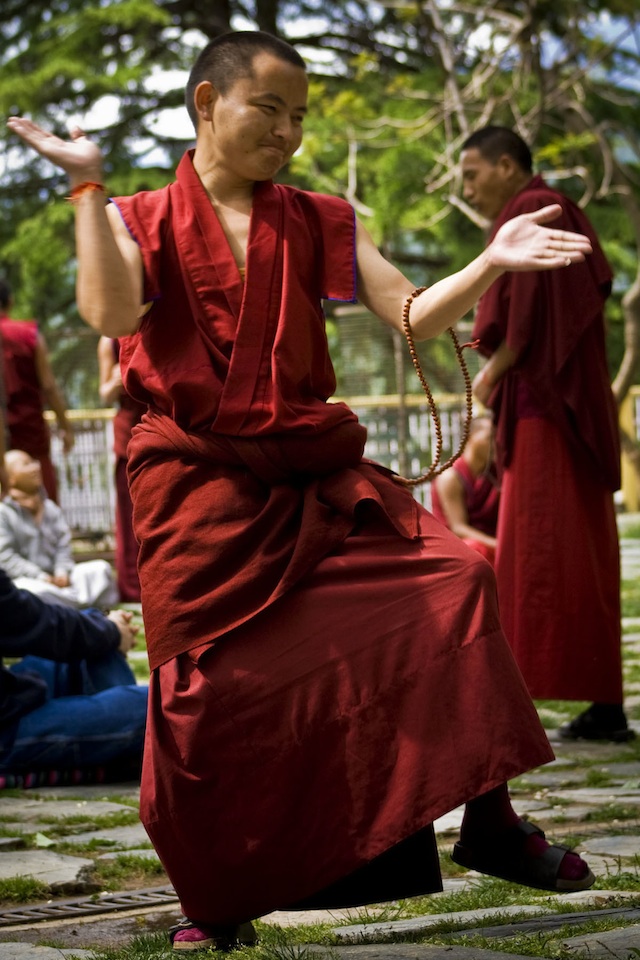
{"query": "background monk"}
(558, 562)
(465, 497)
(329, 674)
(30, 385)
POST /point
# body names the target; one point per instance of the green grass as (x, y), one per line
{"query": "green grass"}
(630, 598)
(22, 890)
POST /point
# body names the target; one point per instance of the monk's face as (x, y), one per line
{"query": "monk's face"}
(253, 129)
(488, 186)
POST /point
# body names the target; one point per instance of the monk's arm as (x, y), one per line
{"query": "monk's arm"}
(109, 284)
(454, 507)
(110, 280)
(522, 243)
(108, 372)
(52, 394)
(493, 371)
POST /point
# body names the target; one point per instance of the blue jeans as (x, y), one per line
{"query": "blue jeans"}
(94, 715)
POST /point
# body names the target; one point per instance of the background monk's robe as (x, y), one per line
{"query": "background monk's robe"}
(328, 669)
(557, 562)
(26, 426)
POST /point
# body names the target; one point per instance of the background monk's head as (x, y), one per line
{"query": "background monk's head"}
(496, 164)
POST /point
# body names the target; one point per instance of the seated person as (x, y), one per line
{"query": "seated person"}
(465, 497)
(35, 543)
(71, 702)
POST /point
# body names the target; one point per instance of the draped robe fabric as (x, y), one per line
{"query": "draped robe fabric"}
(557, 562)
(329, 672)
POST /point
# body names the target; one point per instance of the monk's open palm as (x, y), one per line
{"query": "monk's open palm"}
(78, 157)
(524, 244)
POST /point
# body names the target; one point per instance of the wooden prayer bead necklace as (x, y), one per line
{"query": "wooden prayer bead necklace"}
(436, 467)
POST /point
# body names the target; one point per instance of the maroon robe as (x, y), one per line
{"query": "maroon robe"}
(329, 672)
(26, 426)
(557, 561)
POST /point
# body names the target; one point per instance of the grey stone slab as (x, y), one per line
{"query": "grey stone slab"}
(571, 812)
(622, 944)
(94, 791)
(132, 836)
(604, 866)
(559, 778)
(10, 843)
(593, 750)
(598, 796)
(417, 925)
(56, 870)
(146, 854)
(450, 822)
(25, 828)
(31, 810)
(28, 951)
(544, 906)
(615, 846)
(630, 770)
(408, 951)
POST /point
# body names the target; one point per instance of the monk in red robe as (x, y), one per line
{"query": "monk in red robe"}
(557, 563)
(29, 385)
(465, 496)
(329, 674)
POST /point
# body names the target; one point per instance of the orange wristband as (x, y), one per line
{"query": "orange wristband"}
(88, 186)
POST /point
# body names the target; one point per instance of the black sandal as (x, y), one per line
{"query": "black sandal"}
(510, 861)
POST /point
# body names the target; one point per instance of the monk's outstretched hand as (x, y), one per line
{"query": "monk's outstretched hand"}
(78, 157)
(523, 243)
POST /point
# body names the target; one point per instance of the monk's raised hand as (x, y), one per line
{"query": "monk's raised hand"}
(78, 157)
(523, 243)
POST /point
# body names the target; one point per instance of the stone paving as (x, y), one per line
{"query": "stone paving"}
(590, 793)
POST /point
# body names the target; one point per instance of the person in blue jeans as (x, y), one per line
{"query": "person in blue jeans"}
(70, 701)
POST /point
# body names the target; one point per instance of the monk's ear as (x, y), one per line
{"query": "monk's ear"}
(507, 166)
(204, 97)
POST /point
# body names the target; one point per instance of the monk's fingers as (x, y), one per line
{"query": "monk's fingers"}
(75, 156)
(31, 133)
(565, 240)
(544, 214)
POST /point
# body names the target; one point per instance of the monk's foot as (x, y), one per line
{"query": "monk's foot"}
(601, 721)
(522, 855)
(188, 935)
